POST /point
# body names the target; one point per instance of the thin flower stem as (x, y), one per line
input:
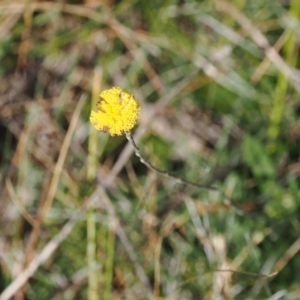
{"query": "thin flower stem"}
(144, 161)
(164, 173)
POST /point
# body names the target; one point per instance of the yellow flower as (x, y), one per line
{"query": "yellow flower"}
(117, 113)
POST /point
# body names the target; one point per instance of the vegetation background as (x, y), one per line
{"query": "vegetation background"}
(82, 218)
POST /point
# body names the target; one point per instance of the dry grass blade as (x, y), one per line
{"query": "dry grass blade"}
(18, 203)
(292, 74)
(125, 241)
(203, 117)
(51, 186)
(47, 251)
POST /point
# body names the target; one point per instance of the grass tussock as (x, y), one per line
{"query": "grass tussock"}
(218, 86)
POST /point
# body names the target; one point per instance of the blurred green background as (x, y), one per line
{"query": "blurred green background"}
(218, 86)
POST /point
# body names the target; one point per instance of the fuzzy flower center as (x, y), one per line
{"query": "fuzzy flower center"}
(117, 112)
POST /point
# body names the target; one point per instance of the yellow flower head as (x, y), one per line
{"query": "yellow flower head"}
(117, 112)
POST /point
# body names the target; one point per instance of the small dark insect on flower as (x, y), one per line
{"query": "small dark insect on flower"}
(98, 105)
(122, 96)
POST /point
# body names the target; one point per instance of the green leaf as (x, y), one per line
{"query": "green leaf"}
(256, 158)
